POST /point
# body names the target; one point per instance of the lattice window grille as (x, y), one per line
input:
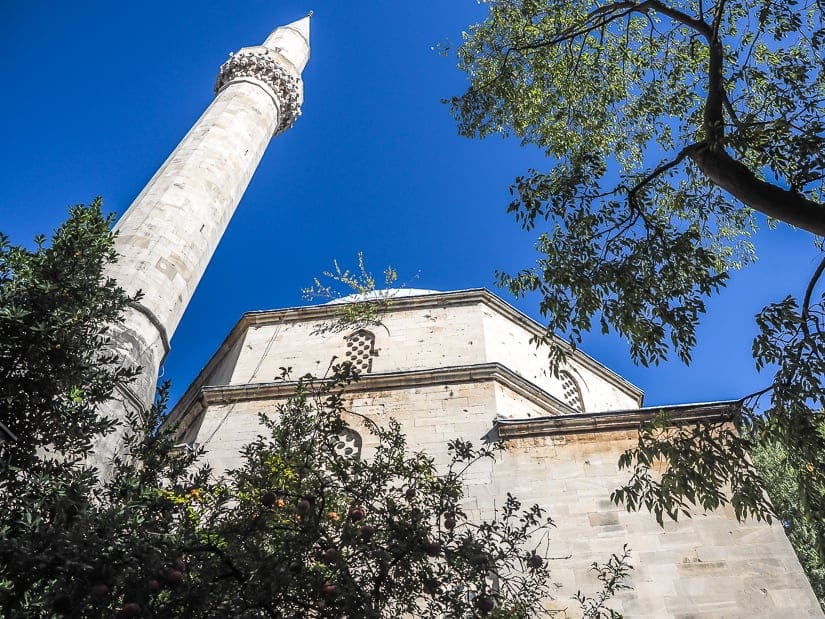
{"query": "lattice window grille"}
(361, 350)
(349, 444)
(571, 392)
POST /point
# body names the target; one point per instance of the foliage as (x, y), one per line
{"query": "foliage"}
(60, 532)
(778, 470)
(301, 529)
(52, 305)
(701, 457)
(304, 529)
(613, 576)
(670, 124)
(366, 304)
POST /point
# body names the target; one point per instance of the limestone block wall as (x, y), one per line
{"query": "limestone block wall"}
(707, 566)
(430, 337)
(416, 333)
(269, 347)
(407, 340)
(703, 567)
(508, 342)
(511, 405)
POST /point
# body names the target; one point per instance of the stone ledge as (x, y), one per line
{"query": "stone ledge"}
(613, 420)
(406, 379)
(368, 383)
(560, 419)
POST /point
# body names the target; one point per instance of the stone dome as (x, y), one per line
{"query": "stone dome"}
(380, 295)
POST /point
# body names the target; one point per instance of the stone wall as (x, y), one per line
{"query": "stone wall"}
(416, 333)
(461, 365)
(707, 566)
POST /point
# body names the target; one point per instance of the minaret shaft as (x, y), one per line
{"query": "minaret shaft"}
(167, 236)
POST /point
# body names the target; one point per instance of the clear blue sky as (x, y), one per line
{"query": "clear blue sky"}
(97, 94)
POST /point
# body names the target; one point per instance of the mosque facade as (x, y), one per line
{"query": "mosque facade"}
(464, 365)
(444, 364)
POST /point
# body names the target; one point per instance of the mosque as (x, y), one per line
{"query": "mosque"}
(458, 364)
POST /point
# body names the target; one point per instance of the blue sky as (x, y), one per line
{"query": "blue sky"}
(97, 94)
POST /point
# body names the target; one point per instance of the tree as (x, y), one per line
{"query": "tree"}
(301, 529)
(781, 482)
(670, 124)
(305, 529)
(54, 304)
(61, 534)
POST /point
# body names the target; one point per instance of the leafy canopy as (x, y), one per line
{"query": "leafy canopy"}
(781, 481)
(304, 528)
(669, 126)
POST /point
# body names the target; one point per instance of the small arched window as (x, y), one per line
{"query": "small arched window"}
(361, 350)
(571, 392)
(349, 444)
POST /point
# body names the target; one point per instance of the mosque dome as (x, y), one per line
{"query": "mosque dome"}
(381, 295)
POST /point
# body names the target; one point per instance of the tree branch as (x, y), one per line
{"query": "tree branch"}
(661, 169)
(756, 394)
(571, 33)
(717, 19)
(735, 178)
(731, 112)
(683, 18)
(210, 547)
(712, 117)
(806, 302)
(608, 13)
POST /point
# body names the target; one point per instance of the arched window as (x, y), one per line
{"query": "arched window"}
(361, 350)
(570, 391)
(349, 444)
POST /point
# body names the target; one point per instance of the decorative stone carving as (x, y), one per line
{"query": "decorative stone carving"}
(261, 65)
(349, 444)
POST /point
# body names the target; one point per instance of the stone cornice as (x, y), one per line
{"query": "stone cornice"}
(407, 379)
(614, 420)
(559, 418)
(410, 379)
(264, 65)
(157, 324)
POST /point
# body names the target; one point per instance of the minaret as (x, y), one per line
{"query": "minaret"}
(169, 233)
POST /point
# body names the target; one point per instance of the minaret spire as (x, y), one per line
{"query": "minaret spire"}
(169, 233)
(292, 41)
